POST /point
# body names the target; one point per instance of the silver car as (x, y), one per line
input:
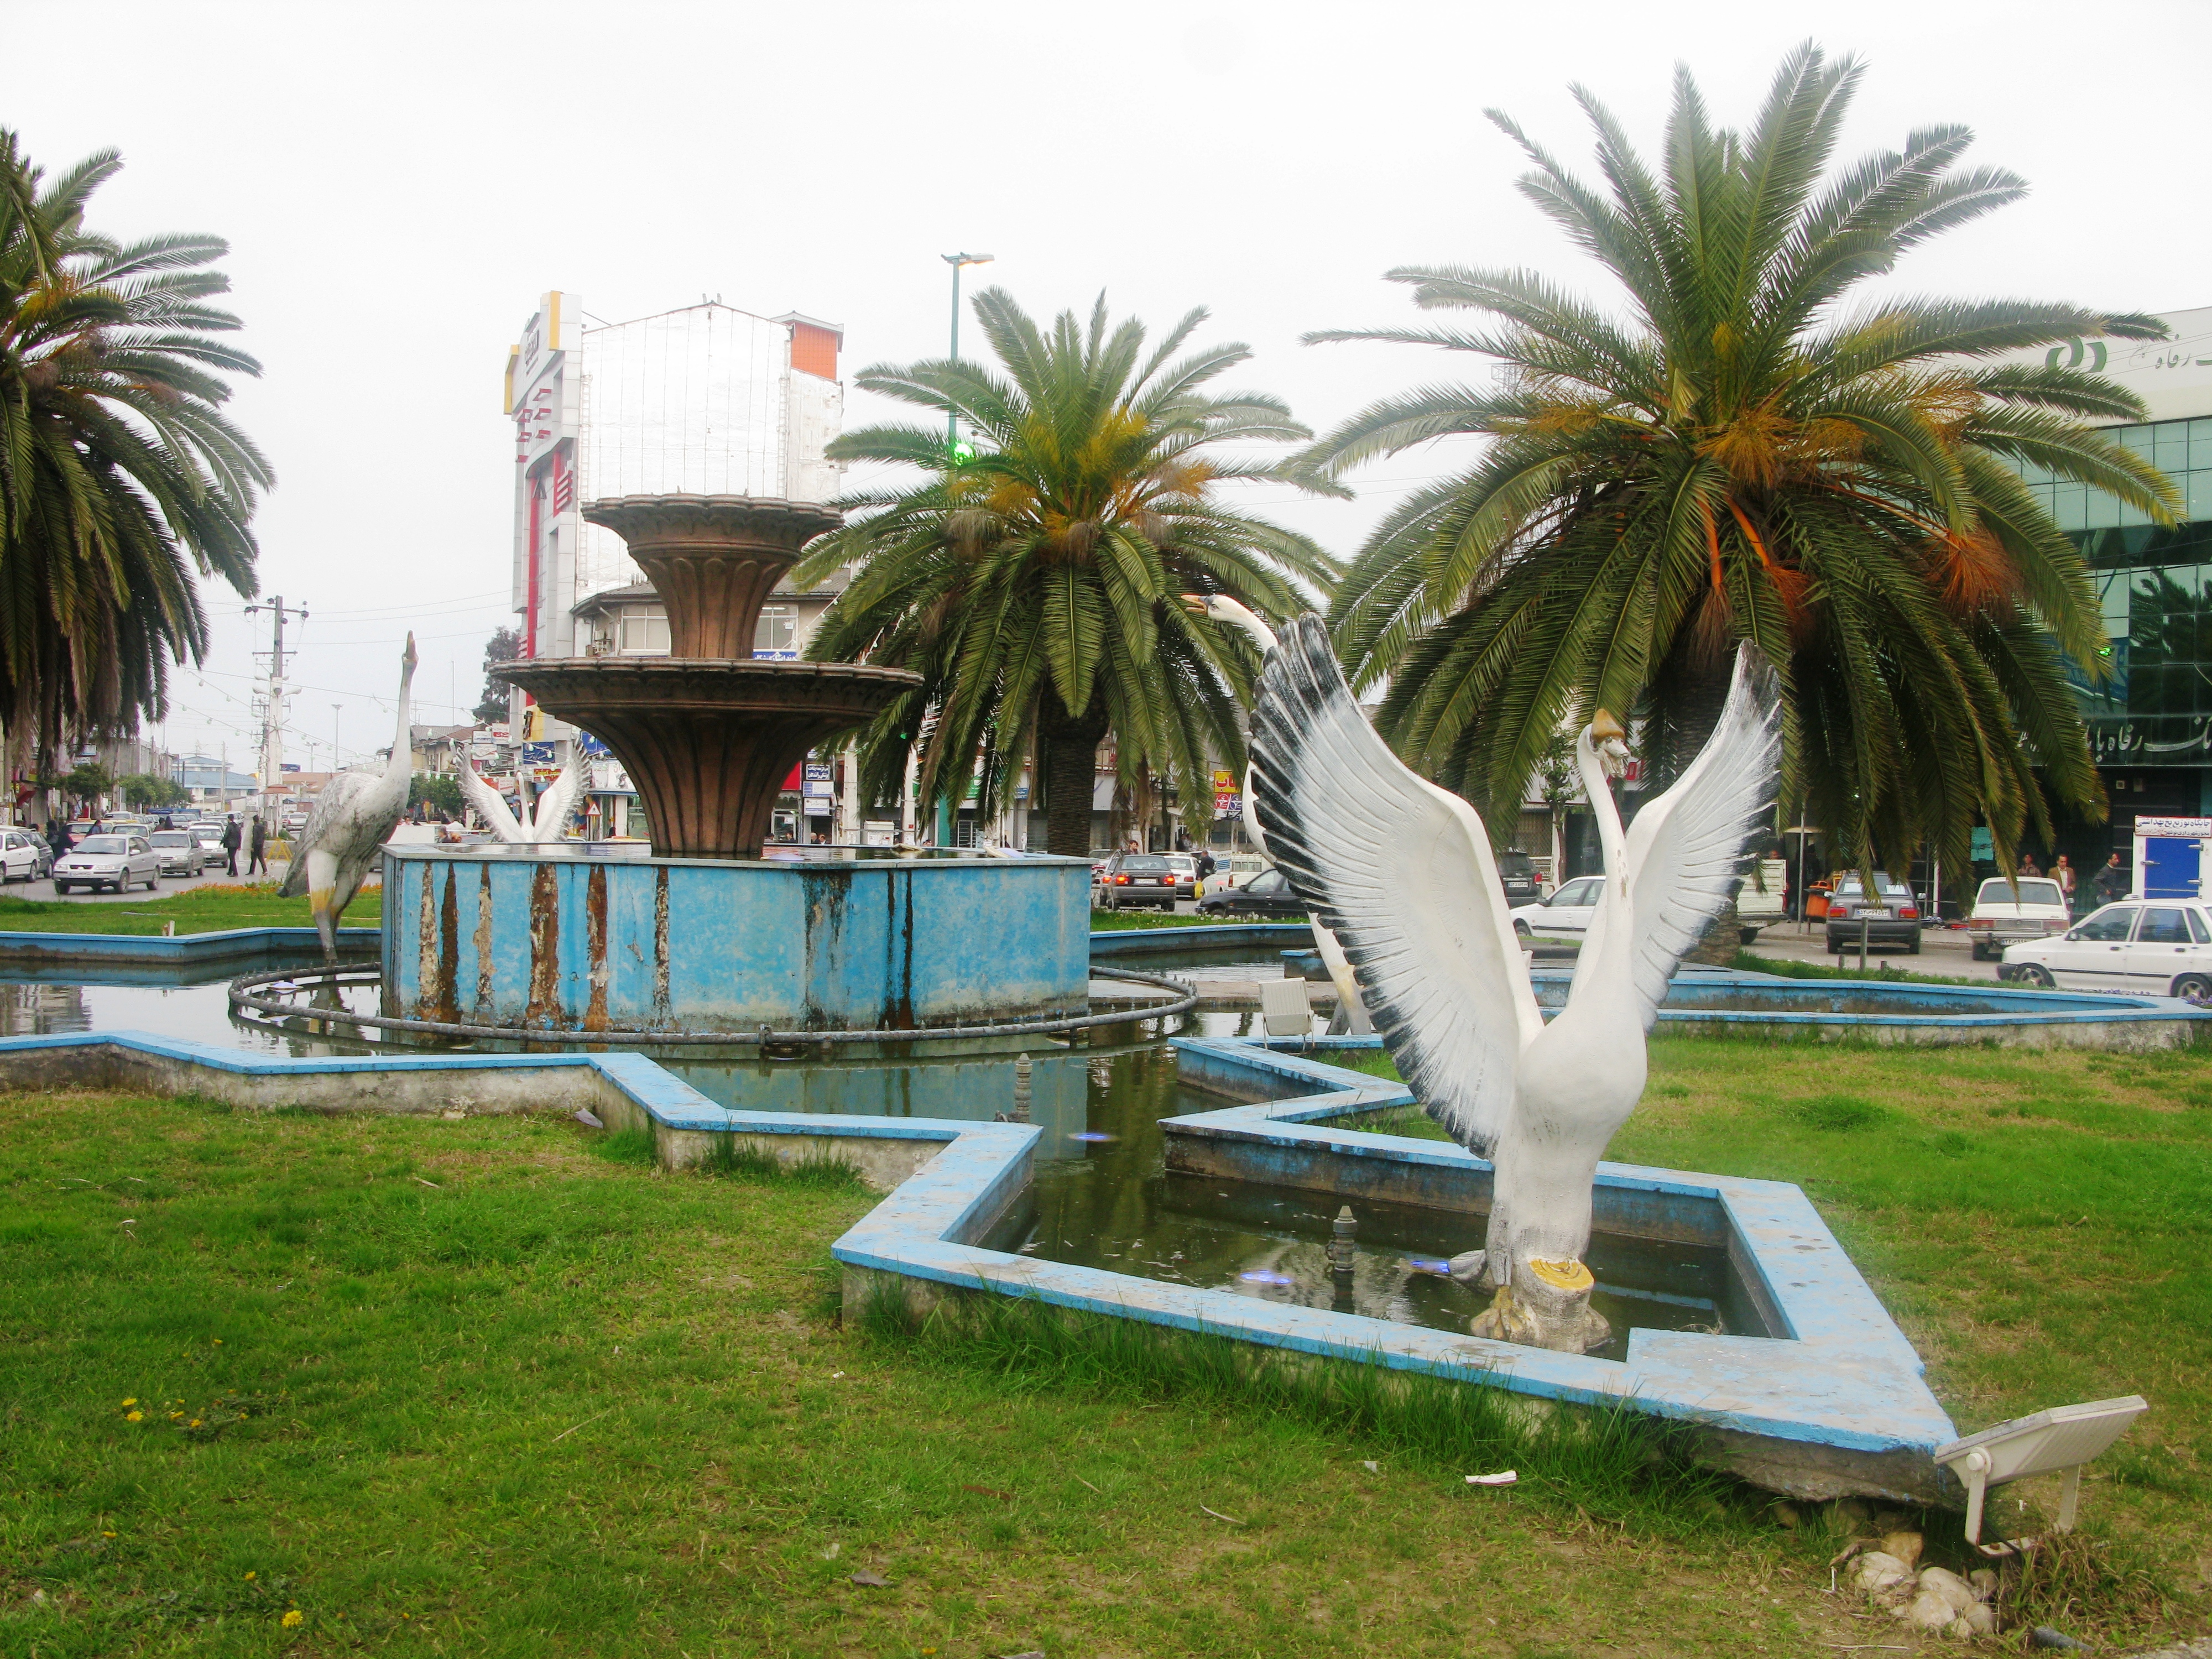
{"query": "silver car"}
(181, 852)
(110, 860)
(23, 856)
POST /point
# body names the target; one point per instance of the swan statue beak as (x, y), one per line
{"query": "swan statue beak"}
(1610, 741)
(1195, 603)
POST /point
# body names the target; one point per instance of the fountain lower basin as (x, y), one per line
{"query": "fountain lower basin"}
(590, 937)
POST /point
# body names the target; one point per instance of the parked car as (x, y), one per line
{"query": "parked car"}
(1890, 914)
(295, 823)
(23, 856)
(1234, 870)
(1566, 915)
(1759, 898)
(2155, 947)
(1266, 894)
(110, 860)
(182, 853)
(1185, 865)
(2008, 914)
(209, 832)
(1518, 876)
(1132, 878)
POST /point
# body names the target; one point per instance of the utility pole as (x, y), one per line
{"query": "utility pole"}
(272, 727)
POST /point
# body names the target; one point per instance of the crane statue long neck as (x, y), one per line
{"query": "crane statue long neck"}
(402, 762)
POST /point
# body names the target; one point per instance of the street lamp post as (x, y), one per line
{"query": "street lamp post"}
(956, 260)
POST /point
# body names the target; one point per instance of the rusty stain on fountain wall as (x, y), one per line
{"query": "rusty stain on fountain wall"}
(663, 1011)
(426, 953)
(449, 949)
(543, 1007)
(483, 942)
(595, 944)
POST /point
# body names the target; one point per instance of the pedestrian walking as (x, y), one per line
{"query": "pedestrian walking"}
(2028, 866)
(230, 840)
(257, 844)
(2111, 881)
(2062, 872)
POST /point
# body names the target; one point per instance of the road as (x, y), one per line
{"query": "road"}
(1943, 950)
(44, 890)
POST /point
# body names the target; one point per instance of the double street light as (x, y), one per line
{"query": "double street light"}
(956, 260)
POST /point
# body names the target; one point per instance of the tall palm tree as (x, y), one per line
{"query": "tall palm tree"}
(1032, 578)
(121, 479)
(1742, 452)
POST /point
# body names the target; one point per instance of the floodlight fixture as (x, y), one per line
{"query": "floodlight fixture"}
(2059, 1441)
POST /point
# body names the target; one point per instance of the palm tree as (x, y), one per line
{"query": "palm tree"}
(120, 478)
(1032, 579)
(1748, 454)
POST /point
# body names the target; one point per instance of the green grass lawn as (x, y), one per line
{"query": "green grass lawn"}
(492, 1387)
(207, 909)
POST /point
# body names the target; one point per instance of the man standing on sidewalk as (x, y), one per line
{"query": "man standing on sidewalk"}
(230, 839)
(256, 844)
(2112, 882)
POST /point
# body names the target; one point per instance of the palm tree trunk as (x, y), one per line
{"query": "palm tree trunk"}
(1068, 744)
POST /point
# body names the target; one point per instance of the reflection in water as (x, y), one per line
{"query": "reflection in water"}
(42, 1010)
(1106, 1199)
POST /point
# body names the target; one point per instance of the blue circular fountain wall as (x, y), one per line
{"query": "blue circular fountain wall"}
(601, 937)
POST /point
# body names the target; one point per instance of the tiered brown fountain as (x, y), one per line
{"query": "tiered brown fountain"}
(708, 733)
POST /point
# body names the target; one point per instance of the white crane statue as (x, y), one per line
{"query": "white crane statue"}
(525, 826)
(353, 815)
(1401, 871)
(1352, 1013)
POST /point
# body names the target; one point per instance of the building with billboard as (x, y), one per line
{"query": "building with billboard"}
(704, 400)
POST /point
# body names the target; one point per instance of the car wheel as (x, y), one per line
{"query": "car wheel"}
(2036, 974)
(2195, 988)
(1522, 929)
(1980, 953)
(61, 887)
(1747, 935)
(1913, 948)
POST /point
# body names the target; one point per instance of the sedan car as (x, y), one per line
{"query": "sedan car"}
(119, 862)
(1889, 915)
(1267, 894)
(2154, 948)
(209, 832)
(182, 853)
(1185, 865)
(1518, 876)
(2006, 913)
(1566, 915)
(1234, 870)
(23, 856)
(1131, 879)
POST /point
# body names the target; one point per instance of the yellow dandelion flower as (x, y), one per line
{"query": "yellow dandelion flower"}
(218, 1342)
(107, 1534)
(253, 1575)
(292, 1619)
(130, 1402)
(194, 1424)
(133, 1417)
(176, 1417)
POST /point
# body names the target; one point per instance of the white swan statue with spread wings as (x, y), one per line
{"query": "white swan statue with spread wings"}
(1401, 872)
(354, 814)
(1352, 1013)
(535, 826)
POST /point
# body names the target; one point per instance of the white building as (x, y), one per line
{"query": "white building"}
(708, 400)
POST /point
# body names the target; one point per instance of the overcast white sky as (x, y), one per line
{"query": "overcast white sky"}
(399, 183)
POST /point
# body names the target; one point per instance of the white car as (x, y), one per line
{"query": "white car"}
(110, 860)
(1566, 915)
(23, 856)
(2153, 947)
(2005, 916)
(1233, 869)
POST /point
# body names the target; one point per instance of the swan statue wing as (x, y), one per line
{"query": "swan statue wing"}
(490, 805)
(1684, 849)
(554, 804)
(333, 806)
(1401, 872)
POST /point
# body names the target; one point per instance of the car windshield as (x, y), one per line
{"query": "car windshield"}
(1149, 863)
(1998, 891)
(103, 844)
(1887, 886)
(1513, 863)
(172, 838)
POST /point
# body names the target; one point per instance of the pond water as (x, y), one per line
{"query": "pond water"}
(1102, 1197)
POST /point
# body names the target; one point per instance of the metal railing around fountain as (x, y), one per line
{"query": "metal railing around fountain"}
(246, 1000)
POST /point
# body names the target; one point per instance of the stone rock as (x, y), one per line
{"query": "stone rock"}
(1904, 1546)
(1953, 1589)
(1784, 1515)
(1878, 1571)
(1850, 1515)
(1984, 1581)
(1959, 1629)
(2046, 1635)
(1928, 1610)
(1980, 1619)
